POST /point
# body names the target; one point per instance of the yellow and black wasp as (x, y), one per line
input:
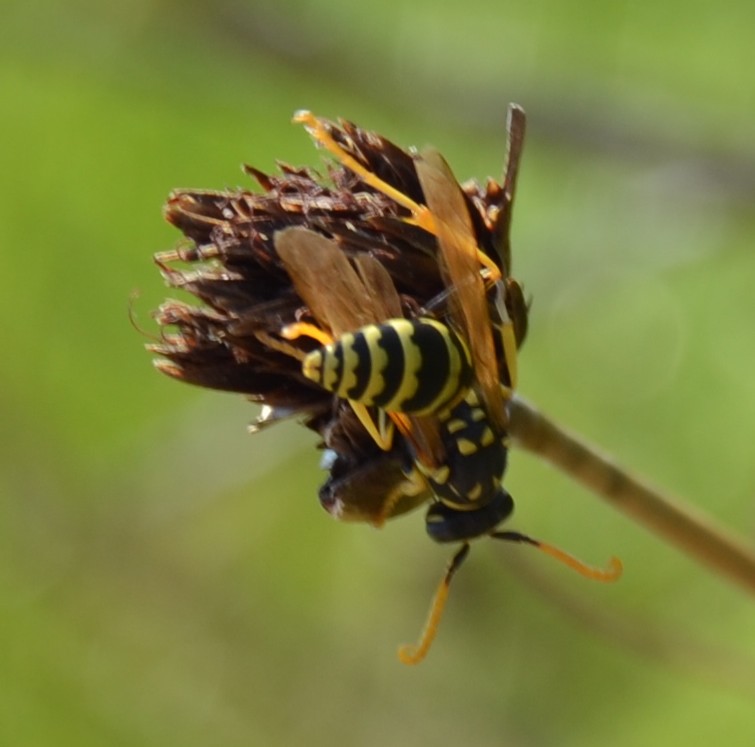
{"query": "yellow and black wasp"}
(440, 377)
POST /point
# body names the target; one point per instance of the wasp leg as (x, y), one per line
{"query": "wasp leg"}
(319, 132)
(507, 334)
(510, 353)
(381, 432)
(409, 654)
(305, 329)
(421, 214)
(611, 573)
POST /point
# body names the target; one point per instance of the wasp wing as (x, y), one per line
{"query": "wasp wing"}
(459, 259)
(382, 295)
(342, 299)
(326, 280)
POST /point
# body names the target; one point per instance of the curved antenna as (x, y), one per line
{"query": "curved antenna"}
(607, 575)
(414, 654)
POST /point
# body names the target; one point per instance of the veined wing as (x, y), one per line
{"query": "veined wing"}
(343, 298)
(460, 260)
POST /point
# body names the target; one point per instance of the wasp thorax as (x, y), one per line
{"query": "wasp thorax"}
(475, 458)
(416, 366)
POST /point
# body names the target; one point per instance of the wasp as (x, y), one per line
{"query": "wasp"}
(440, 379)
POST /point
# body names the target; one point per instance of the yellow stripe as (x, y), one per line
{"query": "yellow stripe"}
(379, 360)
(312, 366)
(412, 364)
(350, 363)
(329, 369)
(455, 365)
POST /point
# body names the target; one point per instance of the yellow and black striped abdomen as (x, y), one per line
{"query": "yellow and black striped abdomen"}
(415, 366)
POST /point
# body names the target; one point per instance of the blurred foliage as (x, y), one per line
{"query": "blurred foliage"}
(166, 579)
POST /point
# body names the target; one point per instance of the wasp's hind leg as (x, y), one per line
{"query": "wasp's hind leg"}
(421, 215)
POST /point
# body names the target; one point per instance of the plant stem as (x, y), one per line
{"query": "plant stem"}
(682, 525)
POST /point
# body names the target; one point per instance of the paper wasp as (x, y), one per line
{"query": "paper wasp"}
(439, 379)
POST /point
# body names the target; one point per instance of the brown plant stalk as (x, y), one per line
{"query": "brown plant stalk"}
(671, 519)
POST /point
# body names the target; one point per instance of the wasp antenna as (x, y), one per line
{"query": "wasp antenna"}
(409, 654)
(607, 575)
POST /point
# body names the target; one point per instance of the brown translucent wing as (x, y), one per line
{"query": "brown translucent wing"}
(342, 299)
(459, 253)
(326, 280)
(378, 284)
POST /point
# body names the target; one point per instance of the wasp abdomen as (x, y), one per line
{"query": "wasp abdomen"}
(414, 366)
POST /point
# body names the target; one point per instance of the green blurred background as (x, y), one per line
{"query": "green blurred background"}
(167, 579)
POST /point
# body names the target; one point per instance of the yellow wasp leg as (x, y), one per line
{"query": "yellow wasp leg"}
(493, 274)
(508, 340)
(421, 214)
(305, 329)
(509, 349)
(319, 132)
(382, 433)
(510, 354)
(408, 654)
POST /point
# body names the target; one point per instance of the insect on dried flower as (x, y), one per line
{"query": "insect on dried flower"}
(377, 305)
